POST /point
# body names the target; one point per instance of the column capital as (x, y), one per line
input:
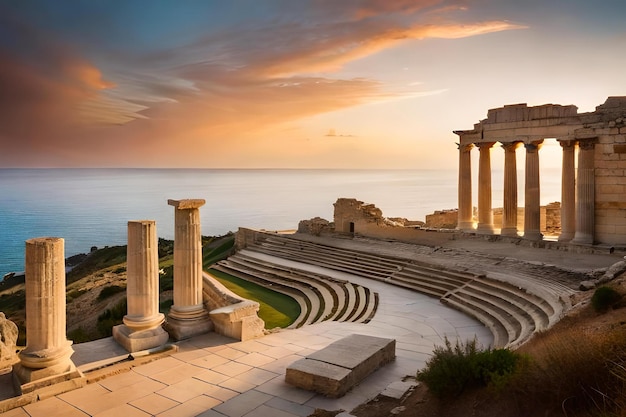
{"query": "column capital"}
(484, 145)
(533, 146)
(587, 144)
(566, 143)
(510, 146)
(465, 147)
(187, 203)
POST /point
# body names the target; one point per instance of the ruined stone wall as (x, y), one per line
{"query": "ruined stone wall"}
(608, 125)
(350, 211)
(443, 219)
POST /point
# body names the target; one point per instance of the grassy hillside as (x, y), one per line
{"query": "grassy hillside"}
(96, 289)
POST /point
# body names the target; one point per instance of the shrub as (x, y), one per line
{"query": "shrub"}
(451, 370)
(164, 306)
(111, 317)
(107, 292)
(72, 295)
(604, 298)
(78, 335)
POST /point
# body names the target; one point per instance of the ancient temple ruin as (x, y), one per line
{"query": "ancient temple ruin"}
(593, 197)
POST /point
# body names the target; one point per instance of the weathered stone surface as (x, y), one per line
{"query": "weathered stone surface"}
(334, 370)
(587, 285)
(187, 316)
(47, 353)
(142, 324)
(8, 340)
(315, 226)
(599, 175)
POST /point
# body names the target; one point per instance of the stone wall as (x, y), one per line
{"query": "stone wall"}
(608, 125)
(443, 219)
(550, 219)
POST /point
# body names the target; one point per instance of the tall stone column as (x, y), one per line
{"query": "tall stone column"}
(532, 208)
(509, 211)
(568, 192)
(47, 353)
(187, 317)
(142, 325)
(585, 190)
(485, 213)
(465, 220)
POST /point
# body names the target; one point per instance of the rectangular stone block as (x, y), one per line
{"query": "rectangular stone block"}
(334, 370)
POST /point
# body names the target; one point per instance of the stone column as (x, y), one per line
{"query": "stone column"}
(532, 208)
(485, 213)
(509, 211)
(187, 316)
(465, 220)
(568, 192)
(142, 325)
(585, 190)
(47, 353)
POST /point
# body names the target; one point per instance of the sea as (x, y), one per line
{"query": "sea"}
(91, 207)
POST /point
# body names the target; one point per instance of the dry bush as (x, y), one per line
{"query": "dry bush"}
(582, 373)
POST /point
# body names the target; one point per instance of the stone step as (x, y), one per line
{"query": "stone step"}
(500, 332)
(318, 306)
(512, 305)
(340, 293)
(336, 299)
(327, 260)
(296, 294)
(329, 299)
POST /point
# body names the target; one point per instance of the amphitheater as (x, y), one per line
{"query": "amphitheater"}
(453, 285)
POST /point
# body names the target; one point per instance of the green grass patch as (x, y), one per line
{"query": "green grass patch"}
(217, 249)
(98, 260)
(277, 310)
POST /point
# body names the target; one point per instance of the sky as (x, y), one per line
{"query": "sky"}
(288, 83)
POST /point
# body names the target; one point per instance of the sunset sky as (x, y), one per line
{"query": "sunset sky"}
(288, 83)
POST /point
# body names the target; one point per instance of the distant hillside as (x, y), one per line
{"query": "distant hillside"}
(96, 287)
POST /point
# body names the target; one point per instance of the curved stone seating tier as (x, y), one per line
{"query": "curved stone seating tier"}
(512, 306)
(325, 298)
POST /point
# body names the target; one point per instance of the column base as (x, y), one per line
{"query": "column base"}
(135, 341)
(190, 324)
(582, 239)
(509, 231)
(533, 235)
(61, 370)
(486, 229)
(466, 226)
(566, 237)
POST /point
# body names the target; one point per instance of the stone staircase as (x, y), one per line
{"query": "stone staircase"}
(320, 297)
(512, 305)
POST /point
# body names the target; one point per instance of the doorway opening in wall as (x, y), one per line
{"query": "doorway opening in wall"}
(351, 227)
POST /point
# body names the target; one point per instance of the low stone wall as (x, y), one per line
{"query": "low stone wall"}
(231, 315)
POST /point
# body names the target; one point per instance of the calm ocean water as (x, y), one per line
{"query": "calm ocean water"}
(91, 207)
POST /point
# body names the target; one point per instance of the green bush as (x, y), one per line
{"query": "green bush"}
(78, 335)
(164, 306)
(111, 317)
(107, 292)
(604, 298)
(452, 369)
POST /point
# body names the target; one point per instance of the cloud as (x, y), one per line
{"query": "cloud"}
(216, 90)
